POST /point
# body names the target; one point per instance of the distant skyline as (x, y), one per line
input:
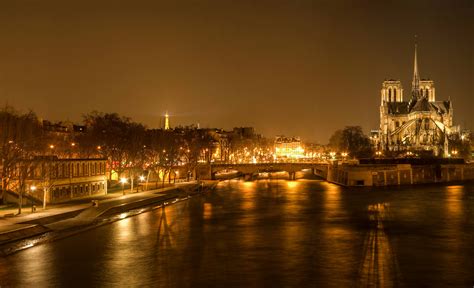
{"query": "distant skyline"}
(298, 68)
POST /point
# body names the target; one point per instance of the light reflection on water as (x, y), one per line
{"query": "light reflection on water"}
(379, 267)
(270, 233)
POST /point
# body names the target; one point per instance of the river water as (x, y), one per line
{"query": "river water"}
(270, 233)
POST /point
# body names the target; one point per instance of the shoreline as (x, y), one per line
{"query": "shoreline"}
(33, 234)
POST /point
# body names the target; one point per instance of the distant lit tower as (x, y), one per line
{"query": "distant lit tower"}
(167, 121)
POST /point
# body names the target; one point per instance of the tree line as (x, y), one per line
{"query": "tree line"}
(128, 147)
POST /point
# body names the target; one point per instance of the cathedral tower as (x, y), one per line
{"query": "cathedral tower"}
(392, 91)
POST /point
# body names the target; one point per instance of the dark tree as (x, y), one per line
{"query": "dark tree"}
(351, 140)
(116, 138)
(21, 138)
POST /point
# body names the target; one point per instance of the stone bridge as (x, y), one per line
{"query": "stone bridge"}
(208, 171)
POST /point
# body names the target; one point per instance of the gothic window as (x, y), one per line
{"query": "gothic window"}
(427, 124)
(389, 94)
(394, 94)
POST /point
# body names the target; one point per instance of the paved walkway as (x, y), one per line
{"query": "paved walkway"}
(125, 202)
(88, 214)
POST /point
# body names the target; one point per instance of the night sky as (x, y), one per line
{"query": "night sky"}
(300, 68)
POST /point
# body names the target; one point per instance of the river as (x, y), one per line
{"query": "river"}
(270, 233)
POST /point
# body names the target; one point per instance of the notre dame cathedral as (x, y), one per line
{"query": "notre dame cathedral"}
(422, 123)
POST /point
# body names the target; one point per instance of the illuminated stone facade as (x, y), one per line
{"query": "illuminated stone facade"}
(66, 179)
(420, 124)
(288, 148)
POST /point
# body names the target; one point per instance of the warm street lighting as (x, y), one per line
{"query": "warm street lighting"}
(33, 188)
(98, 147)
(73, 144)
(123, 181)
(141, 178)
(51, 146)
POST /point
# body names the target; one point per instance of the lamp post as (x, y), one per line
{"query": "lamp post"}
(33, 207)
(123, 181)
(344, 155)
(455, 153)
(141, 178)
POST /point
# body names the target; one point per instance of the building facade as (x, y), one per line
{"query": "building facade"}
(420, 124)
(64, 179)
(288, 148)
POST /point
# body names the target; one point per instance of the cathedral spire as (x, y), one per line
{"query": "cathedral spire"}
(415, 85)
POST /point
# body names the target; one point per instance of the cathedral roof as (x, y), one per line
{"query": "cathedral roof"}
(440, 107)
(422, 105)
(397, 107)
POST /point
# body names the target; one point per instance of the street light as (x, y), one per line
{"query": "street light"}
(344, 155)
(141, 178)
(123, 181)
(33, 207)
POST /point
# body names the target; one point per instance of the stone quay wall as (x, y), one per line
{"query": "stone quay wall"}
(398, 174)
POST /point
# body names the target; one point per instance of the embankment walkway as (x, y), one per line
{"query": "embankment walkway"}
(74, 216)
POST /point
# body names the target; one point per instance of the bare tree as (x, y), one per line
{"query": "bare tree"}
(21, 137)
(194, 143)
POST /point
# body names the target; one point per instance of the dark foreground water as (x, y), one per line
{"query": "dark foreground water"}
(270, 234)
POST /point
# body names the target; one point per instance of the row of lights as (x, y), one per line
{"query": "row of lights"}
(51, 146)
(124, 181)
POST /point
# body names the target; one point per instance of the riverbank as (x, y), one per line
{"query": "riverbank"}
(383, 174)
(17, 233)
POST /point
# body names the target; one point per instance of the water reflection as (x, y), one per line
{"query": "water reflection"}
(379, 266)
(165, 232)
(270, 234)
(337, 238)
(453, 202)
